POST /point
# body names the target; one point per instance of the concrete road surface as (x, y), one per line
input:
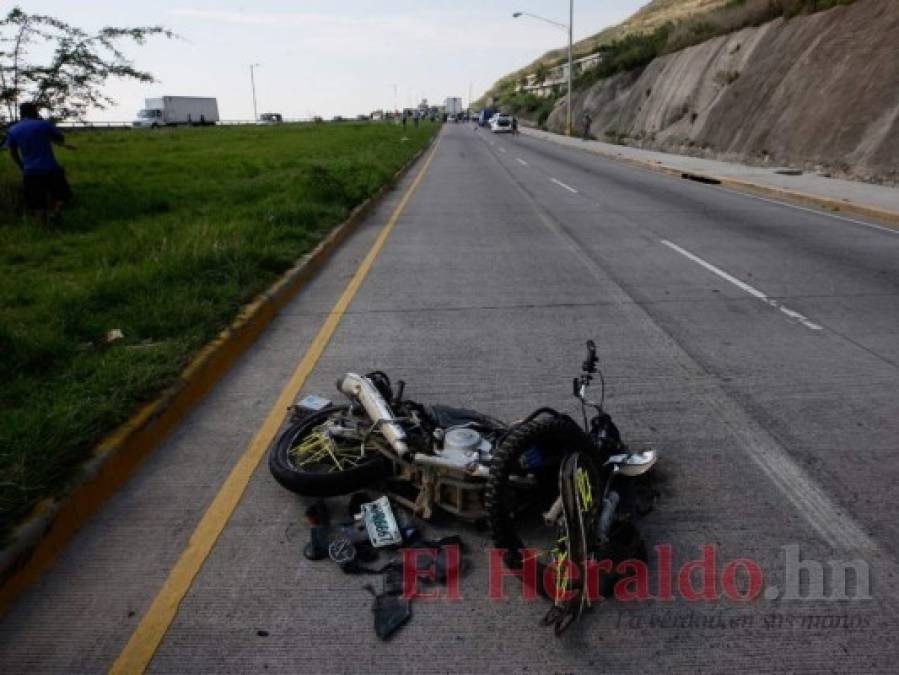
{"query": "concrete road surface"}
(756, 345)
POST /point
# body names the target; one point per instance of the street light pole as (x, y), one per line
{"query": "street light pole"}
(570, 30)
(570, 64)
(253, 86)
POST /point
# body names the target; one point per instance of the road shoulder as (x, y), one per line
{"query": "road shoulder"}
(876, 202)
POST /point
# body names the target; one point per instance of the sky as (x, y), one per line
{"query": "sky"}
(341, 57)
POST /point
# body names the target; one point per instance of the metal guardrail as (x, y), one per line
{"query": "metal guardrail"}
(220, 123)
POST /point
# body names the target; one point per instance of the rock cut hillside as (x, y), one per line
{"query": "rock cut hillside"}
(649, 17)
(817, 91)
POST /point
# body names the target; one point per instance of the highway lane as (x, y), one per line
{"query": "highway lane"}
(825, 394)
(508, 257)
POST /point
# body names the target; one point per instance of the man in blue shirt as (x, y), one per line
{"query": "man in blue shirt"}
(29, 142)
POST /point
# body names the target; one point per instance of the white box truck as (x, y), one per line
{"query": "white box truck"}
(175, 110)
(453, 108)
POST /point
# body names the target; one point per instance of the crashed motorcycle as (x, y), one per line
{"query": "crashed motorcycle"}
(553, 493)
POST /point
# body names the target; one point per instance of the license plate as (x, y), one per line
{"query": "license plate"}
(380, 523)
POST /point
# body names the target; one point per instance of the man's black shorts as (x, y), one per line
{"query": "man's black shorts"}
(44, 190)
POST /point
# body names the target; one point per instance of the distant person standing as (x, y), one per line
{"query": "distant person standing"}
(514, 125)
(30, 144)
(587, 121)
(404, 120)
(415, 117)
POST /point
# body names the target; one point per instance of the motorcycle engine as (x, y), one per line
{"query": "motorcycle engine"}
(466, 442)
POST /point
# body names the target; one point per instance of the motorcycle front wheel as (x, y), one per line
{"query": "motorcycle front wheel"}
(327, 453)
(524, 484)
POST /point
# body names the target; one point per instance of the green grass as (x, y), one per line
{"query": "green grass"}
(170, 233)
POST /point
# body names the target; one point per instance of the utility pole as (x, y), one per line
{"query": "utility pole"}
(253, 87)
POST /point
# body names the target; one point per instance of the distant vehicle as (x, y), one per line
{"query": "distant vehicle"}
(485, 116)
(363, 118)
(270, 118)
(453, 107)
(337, 118)
(452, 118)
(169, 111)
(501, 123)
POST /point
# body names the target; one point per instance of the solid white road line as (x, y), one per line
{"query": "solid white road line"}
(521, 161)
(744, 286)
(815, 211)
(561, 184)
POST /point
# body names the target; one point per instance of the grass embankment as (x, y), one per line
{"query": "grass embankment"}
(170, 233)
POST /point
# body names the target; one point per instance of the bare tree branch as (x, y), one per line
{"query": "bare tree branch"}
(71, 83)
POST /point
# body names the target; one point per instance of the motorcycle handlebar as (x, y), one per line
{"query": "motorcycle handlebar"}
(589, 365)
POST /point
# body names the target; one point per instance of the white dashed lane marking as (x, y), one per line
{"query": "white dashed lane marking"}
(744, 286)
(561, 184)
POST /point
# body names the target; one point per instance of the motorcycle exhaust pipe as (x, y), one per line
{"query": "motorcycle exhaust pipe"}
(361, 389)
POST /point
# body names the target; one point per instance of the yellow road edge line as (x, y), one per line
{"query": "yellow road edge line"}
(148, 635)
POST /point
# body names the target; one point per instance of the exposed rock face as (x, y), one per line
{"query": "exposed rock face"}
(814, 91)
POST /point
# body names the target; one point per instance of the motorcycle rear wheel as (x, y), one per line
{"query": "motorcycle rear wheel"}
(309, 461)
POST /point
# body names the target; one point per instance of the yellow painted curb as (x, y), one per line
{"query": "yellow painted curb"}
(41, 538)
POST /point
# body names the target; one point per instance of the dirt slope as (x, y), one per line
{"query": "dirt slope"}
(815, 91)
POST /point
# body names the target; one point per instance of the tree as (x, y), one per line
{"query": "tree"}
(80, 63)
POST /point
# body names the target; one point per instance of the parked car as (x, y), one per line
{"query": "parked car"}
(501, 123)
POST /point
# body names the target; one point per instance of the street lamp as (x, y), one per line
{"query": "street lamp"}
(568, 29)
(253, 86)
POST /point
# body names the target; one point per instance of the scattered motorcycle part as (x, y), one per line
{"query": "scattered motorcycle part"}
(380, 523)
(356, 502)
(391, 612)
(317, 546)
(342, 552)
(318, 514)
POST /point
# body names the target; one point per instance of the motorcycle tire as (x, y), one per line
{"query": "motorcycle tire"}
(553, 437)
(370, 470)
